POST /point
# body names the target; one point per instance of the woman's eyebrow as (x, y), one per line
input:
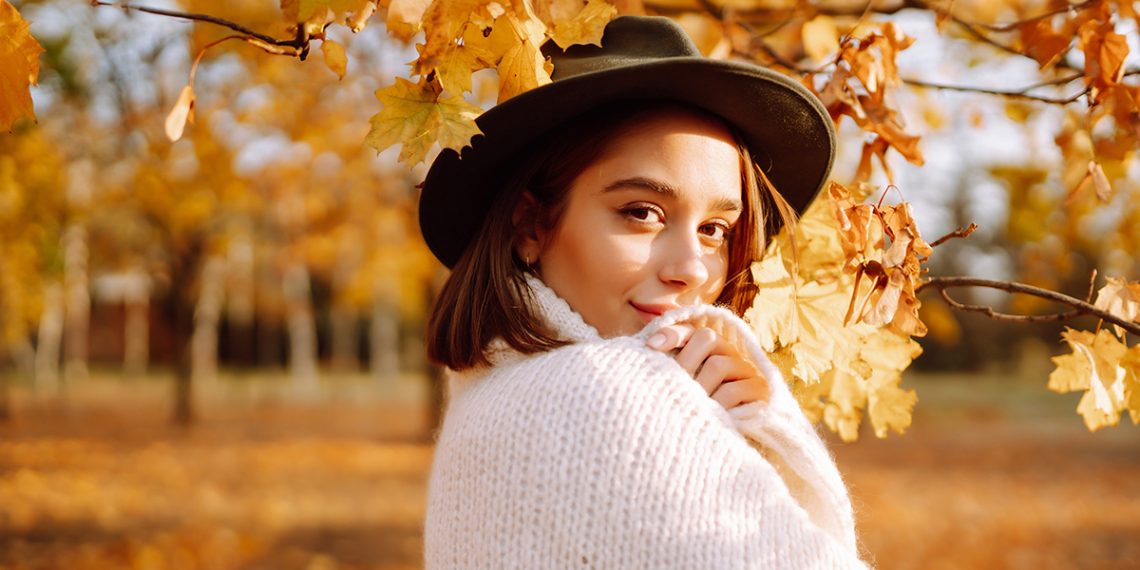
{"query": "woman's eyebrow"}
(668, 191)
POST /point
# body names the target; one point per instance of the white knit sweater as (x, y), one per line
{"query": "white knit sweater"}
(607, 454)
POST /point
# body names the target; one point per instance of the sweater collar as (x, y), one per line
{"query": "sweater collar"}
(563, 321)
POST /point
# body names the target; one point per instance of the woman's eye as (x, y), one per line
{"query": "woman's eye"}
(640, 213)
(716, 231)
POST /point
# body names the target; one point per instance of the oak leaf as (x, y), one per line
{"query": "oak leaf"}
(416, 116)
(19, 66)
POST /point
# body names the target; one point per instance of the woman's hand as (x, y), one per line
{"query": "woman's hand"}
(725, 374)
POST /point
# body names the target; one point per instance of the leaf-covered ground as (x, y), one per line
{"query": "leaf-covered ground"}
(992, 475)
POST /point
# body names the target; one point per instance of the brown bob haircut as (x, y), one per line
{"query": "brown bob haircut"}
(486, 296)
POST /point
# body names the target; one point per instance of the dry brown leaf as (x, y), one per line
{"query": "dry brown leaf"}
(335, 57)
(1041, 42)
(182, 113)
(1100, 181)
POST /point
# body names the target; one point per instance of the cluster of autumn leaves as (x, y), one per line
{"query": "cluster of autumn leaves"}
(854, 267)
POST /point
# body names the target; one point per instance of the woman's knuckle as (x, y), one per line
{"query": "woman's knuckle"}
(704, 335)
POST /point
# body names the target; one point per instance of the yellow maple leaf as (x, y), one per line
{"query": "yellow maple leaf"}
(1122, 299)
(329, 10)
(444, 22)
(454, 69)
(586, 26)
(847, 396)
(19, 66)
(887, 354)
(405, 17)
(1098, 366)
(1130, 363)
(522, 68)
(415, 116)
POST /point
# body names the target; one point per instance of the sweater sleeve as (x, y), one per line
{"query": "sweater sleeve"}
(631, 466)
(781, 432)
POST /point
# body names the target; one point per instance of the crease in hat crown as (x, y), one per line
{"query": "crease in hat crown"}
(641, 58)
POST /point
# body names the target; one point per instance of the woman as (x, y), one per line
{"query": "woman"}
(603, 411)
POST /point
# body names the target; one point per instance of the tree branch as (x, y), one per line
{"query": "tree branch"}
(1079, 307)
(958, 233)
(300, 41)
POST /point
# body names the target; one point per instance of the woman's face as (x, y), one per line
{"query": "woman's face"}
(645, 227)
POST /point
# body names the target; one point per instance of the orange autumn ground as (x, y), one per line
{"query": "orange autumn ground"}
(994, 474)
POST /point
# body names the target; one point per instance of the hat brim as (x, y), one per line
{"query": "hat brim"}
(787, 129)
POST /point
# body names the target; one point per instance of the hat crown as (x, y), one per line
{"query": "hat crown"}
(627, 40)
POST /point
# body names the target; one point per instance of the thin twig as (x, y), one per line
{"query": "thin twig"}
(299, 41)
(1092, 286)
(1021, 94)
(958, 233)
(1079, 307)
(989, 312)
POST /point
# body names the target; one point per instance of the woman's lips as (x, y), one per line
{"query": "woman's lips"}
(650, 311)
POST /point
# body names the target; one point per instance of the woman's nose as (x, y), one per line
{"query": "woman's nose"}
(682, 262)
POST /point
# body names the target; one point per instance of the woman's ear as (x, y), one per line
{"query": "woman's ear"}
(529, 229)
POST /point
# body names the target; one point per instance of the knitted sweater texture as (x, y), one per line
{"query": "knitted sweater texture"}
(607, 454)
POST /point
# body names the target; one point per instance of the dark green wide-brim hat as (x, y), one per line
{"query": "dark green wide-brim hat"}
(786, 127)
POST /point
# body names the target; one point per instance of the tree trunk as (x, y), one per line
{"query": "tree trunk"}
(302, 328)
(77, 303)
(136, 328)
(181, 313)
(207, 314)
(183, 413)
(241, 277)
(385, 333)
(50, 336)
(342, 321)
(5, 401)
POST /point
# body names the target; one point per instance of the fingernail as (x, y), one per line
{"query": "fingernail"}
(657, 341)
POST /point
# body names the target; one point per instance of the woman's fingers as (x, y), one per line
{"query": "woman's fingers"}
(723, 373)
(670, 337)
(723, 368)
(734, 393)
(702, 344)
